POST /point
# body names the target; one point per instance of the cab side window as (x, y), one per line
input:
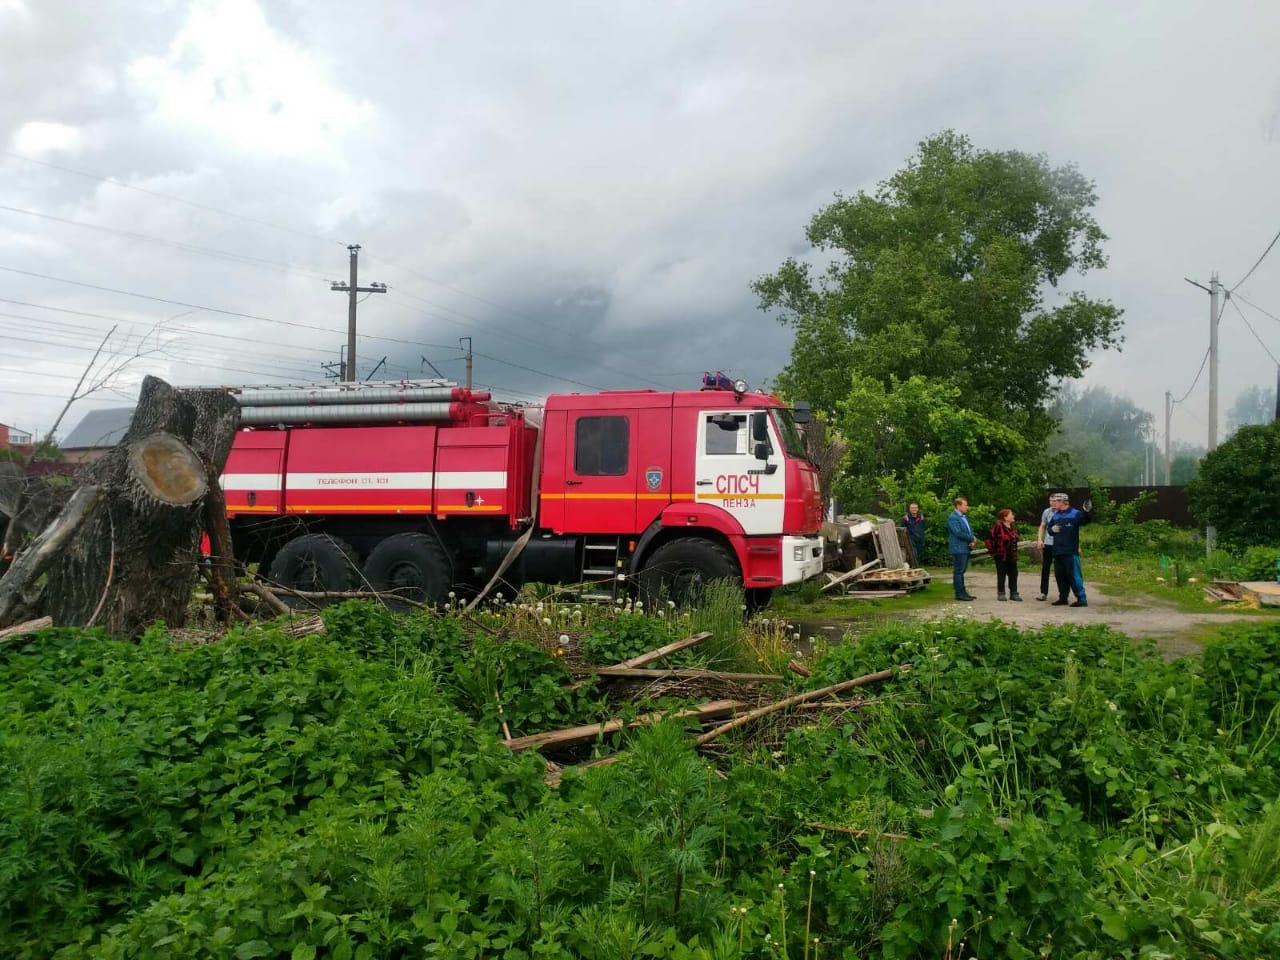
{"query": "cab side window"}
(600, 446)
(726, 434)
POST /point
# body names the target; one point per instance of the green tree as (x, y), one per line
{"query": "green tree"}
(1184, 465)
(1238, 490)
(949, 271)
(917, 428)
(1104, 435)
(1253, 405)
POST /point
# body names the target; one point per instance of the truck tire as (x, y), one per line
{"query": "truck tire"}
(412, 566)
(680, 570)
(315, 562)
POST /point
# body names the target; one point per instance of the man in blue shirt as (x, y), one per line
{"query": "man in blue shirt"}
(960, 541)
(1065, 524)
(913, 523)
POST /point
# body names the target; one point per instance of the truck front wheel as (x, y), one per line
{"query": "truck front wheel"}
(680, 571)
(411, 566)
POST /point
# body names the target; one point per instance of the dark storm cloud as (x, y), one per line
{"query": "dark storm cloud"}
(588, 191)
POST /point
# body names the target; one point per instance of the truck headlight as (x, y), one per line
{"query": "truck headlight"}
(799, 553)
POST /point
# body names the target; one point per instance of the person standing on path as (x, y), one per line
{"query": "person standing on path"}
(1045, 541)
(1002, 544)
(913, 523)
(1065, 526)
(960, 541)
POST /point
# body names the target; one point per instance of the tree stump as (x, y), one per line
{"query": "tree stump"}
(132, 561)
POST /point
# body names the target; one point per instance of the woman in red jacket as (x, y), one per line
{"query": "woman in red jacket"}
(1002, 544)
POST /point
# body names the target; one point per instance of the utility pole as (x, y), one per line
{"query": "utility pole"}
(1168, 418)
(352, 289)
(1214, 287)
(468, 339)
(1210, 534)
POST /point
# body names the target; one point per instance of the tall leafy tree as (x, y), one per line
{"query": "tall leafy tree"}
(1105, 435)
(1238, 489)
(1253, 405)
(949, 270)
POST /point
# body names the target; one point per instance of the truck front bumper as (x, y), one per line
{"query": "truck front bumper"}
(801, 558)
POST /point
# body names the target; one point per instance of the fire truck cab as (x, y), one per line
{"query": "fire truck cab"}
(658, 492)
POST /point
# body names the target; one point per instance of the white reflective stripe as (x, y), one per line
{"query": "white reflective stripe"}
(362, 481)
(250, 481)
(448, 480)
(472, 480)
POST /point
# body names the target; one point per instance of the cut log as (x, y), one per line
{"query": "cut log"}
(768, 708)
(41, 552)
(666, 651)
(685, 673)
(151, 514)
(559, 738)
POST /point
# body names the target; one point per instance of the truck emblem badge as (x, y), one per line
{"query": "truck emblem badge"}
(653, 477)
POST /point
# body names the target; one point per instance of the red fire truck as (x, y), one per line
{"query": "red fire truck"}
(423, 487)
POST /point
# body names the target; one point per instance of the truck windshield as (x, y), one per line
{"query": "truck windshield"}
(790, 433)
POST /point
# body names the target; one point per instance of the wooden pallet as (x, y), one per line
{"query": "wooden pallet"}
(909, 579)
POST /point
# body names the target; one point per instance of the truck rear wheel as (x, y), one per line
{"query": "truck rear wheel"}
(315, 563)
(680, 571)
(412, 566)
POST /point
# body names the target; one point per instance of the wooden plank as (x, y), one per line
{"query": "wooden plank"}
(553, 738)
(745, 718)
(661, 652)
(886, 537)
(856, 571)
(684, 673)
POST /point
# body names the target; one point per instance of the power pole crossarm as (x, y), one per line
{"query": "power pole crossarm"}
(352, 290)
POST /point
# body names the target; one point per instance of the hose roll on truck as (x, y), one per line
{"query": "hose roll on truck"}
(421, 488)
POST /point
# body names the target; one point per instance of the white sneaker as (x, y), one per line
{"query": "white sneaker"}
(1042, 596)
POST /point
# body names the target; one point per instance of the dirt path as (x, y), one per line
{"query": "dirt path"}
(1176, 632)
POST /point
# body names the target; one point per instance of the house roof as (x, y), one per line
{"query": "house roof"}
(99, 428)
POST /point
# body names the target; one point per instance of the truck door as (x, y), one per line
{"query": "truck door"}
(740, 468)
(600, 472)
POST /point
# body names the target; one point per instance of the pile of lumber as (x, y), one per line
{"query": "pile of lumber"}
(725, 714)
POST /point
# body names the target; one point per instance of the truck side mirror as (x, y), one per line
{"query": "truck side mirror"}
(800, 413)
(760, 427)
(763, 449)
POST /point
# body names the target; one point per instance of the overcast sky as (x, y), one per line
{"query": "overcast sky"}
(586, 190)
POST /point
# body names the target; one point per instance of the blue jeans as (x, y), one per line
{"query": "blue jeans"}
(959, 564)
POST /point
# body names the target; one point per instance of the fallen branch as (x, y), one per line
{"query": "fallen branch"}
(835, 704)
(795, 666)
(22, 629)
(745, 718)
(855, 572)
(661, 652)
(684, 673)
(268, 597)
(539, 741)
(855, 832)
(344, 595)
(31, 562)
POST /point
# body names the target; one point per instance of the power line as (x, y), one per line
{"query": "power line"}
(288, 323)
(1265, 313)
(1258, 262)
(177, 244)
(170, 197)
(1197, 379)
(1231, 301)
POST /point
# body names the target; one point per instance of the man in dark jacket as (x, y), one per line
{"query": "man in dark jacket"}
(1065, 526)
(913, 522)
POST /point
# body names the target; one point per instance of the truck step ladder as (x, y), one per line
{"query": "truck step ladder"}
(602, 568)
